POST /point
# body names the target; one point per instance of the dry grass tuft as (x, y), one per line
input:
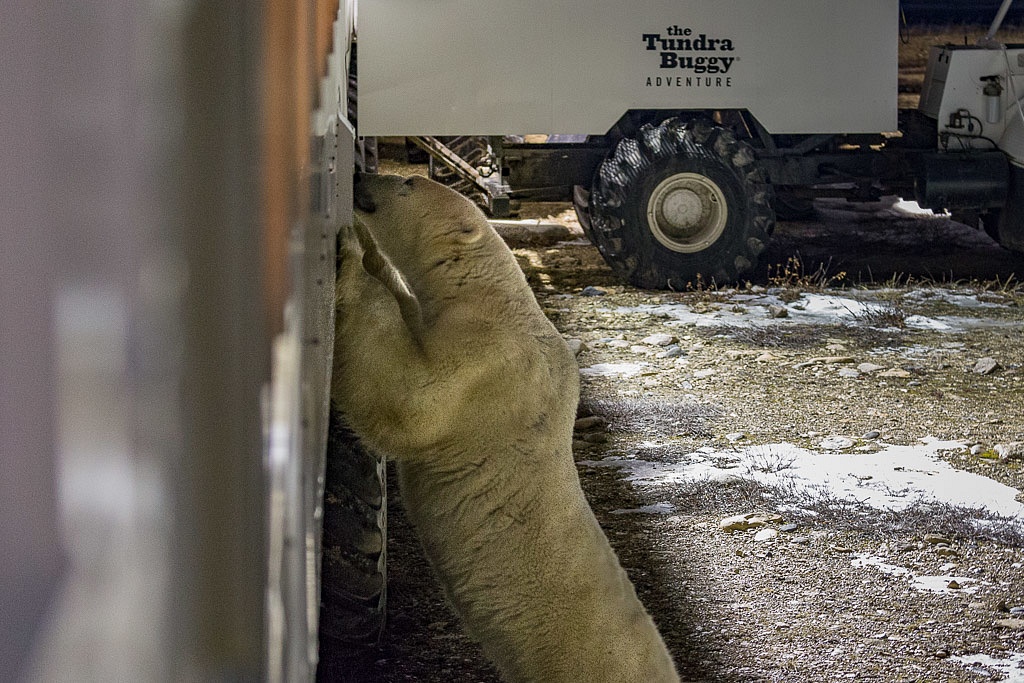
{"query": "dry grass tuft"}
(793, 277)
(888, 315)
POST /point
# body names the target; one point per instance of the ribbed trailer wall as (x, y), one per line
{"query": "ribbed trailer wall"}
(174, 176)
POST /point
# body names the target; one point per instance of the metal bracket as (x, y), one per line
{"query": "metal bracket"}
(495, 191)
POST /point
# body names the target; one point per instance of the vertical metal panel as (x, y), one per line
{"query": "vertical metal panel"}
(95, 278)
(286, 101)
(31, 559)
(305, 342)
(231, 307)
(326, 13)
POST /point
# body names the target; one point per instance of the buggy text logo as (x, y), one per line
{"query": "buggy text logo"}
(700, 54)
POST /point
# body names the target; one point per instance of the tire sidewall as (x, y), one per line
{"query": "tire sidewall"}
(721, 252)
(623, 185)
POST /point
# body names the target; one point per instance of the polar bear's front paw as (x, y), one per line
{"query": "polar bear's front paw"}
(349, 247)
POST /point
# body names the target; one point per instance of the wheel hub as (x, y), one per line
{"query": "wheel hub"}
(687, 212)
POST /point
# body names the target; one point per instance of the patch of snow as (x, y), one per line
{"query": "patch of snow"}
(922, 322)
(656, 509)
(923, 583)
(955, 323)
(949, 296)
(911, 208)
(810, 308)
(940, 584)
(861, 560)
(893, 478)
(816, 308)
(613, 369)
(1010, 669)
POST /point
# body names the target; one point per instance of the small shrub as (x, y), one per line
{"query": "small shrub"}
(883, 315)
(794, 276)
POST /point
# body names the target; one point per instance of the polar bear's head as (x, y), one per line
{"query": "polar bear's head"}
(406, 211)
(438, 240)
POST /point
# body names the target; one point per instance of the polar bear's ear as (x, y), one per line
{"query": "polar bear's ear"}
(468, 233)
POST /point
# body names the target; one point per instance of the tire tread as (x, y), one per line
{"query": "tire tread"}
(617, 181)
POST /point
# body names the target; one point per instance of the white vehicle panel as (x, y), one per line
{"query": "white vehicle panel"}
(953, 83)
(459, 67)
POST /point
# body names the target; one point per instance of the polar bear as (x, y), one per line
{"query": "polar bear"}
(445, 363)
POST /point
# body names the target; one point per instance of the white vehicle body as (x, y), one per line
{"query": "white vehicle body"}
(536, 66)
(954, 84)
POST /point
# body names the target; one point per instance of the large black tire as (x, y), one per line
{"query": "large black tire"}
(581, 202)
(353, 592)
(681, 202)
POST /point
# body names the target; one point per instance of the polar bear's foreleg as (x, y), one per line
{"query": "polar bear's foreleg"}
(373, 298)
(380, 267)
(381, 371)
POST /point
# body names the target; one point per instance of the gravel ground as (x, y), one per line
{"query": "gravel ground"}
(796, 607)
(835, 589)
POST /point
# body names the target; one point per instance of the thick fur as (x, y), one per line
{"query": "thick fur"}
(445, 362)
